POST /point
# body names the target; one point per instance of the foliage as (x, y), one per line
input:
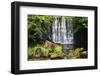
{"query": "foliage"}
(37, 27)
(79, 22)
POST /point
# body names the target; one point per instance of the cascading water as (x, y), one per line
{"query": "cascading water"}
(54, 30)
(62, 32)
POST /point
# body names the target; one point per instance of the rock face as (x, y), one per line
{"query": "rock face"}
(48, 44)
(56, 50)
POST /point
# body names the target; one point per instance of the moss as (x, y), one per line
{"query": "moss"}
(30, 54)
(45, 52)
(57, 55)
(74, 53)
(61, 55)
(37, 52)
(53, 56)
(57, 52)
(79, 49)
(58, 48)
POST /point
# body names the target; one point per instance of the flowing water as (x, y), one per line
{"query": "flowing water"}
(62, 32)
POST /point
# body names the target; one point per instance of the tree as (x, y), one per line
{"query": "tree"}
(38, 26)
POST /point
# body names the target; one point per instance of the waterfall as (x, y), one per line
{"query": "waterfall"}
(54, 30)
(70, 35)
(62, 31)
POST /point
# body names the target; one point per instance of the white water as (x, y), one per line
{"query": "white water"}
(62, 31)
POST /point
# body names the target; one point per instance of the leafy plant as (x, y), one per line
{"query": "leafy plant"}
(38, 26)
(79, 22)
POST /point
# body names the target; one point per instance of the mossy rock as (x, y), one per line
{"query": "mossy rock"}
(45, 52)
(40, 52)
(58, 48)
(74, 53)
(79, 49)
(30, 53)
(56, 55)
(53, 56)
(37, 52)
(70, 54)
(48, 44)
(84, 54)
(61, 55)
(57, 52)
